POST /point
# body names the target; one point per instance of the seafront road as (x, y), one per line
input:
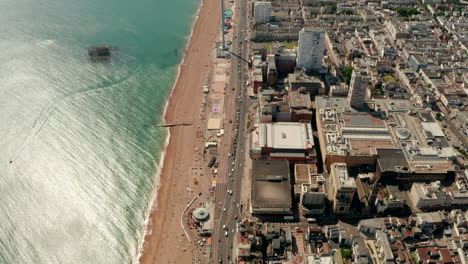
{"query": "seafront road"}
(237, 101)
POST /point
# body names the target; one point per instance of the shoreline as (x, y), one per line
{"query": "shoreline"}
(154, 195)
(147, 245)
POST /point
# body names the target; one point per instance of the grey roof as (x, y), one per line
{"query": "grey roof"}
(395, 191)
(390, 159)
(339, 103)
(426, 117)
(361, 244)
(313, 200)
(299, 100)
(271, 187)
(377, 223)
(200, 214)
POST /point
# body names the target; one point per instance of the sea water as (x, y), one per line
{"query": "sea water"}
(78, 147)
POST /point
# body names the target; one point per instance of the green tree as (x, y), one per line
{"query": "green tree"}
(346, 253)
(413, 11)
(378, 85)
(347, 72)
(413, 256)
(332, 10)
(402, 11)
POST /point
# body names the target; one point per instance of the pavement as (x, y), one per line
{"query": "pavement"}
(236, 100)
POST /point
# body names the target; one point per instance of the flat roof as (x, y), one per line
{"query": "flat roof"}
(299, 100)
(299, 77)
(271, 187)
(368, 146)
(338, 103)
(390, 159)
(302, 173)
(432, 166)
(426, 116)
(287, 135)
(433, 128)
(362, 120)
(340, 172)
(393, 105)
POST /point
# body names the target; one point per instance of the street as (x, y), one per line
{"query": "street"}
(238, 104)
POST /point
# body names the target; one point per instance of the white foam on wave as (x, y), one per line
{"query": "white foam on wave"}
(153, 202)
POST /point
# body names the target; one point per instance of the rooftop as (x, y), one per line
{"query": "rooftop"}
(338, 103)
(303, 173)
(392, 160)
(362, 120)
(434, 255)
(286, 135)
(300, 100)
(340, 171)
(271, 187)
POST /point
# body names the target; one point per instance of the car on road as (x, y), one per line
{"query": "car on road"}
(224, 227)
(226, 234)
(236, 217)
(230, 192)
(224, 209)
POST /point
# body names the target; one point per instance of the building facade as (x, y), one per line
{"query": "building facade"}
(310, 49)
(358, 89)
(284, 140)
(262, 12)
(342, 190)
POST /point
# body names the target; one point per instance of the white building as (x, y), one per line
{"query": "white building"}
(310, 49)
(357, 89)
(384, 250)
(342, 188)
(283, 140)
(262, 12)
(429, 196)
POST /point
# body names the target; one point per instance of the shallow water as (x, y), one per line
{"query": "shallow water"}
(78, 149)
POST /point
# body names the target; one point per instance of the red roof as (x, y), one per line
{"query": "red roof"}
(434, 255)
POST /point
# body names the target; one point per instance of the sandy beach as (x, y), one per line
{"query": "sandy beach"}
(165, 241)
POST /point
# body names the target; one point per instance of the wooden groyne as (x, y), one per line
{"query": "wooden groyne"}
(173, 124)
